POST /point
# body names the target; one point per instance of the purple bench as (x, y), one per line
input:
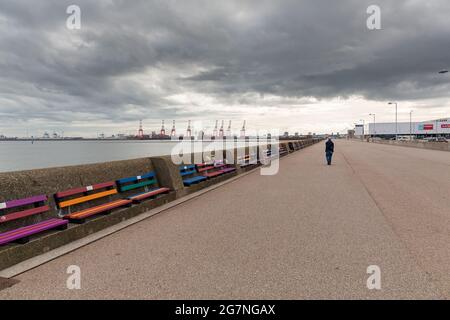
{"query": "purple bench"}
(228, 170)
(19, 209)
(224, 167)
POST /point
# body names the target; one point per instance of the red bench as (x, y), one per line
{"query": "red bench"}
(70, 199)
(27, 207)
(209, 170)
(225, 168)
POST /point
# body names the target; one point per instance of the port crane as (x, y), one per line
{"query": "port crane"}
(173, 132)
(215, 129)
(221, 131)
(229, 129)
(188, 131)
(140, 131)
(163, 130)
(243, 130)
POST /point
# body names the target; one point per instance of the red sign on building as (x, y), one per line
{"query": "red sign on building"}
(426, 127)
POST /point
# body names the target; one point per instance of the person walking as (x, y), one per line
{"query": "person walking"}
(329, 149)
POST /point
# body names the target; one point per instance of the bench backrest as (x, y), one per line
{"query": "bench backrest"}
(248, 158)
(26, 207)
(291, 146)
(204, 167)
(145, 181)
(68, 198)
(221, 163)
(187, 170)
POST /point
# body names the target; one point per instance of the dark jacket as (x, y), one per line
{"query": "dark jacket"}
(329, 146)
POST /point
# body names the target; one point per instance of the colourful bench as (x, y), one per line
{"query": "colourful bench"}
(283, 150)
(267, 156)
(290, 147)
(247, 160)
(147, 181)
(189, 175)
(66, 200)
(27, 207)
(209, 170)
(225, 168)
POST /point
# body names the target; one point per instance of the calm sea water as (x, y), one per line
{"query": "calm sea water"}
(23, 155)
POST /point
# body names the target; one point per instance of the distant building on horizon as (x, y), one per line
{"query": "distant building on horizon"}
(435, 127)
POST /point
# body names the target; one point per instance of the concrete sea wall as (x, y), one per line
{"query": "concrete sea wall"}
(22, 184)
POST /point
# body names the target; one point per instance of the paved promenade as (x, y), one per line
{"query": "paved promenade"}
(309, 232)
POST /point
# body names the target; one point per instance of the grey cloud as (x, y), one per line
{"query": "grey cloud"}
(223, 49)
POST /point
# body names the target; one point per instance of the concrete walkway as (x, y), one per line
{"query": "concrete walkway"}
(309, 232)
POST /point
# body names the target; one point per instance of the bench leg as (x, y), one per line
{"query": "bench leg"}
(77, 221)
(62, 227)
(22, 240)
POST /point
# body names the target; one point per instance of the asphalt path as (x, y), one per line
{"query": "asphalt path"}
(308, 232)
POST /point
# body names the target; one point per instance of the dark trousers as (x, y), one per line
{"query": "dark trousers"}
(329, 155)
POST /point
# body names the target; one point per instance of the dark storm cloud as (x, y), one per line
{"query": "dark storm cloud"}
(131, 56)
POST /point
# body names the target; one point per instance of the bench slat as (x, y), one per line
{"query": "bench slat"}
(75, 191)
(135, 178)
(98, 209)
(137, 185)
(227, 170)
(23, 214)
(213, 174)
(97, 195)
(202, 169)
(149, 194)
(22, 202)
(187, 167)
(16, 234)
(186, 173)
(194, 180)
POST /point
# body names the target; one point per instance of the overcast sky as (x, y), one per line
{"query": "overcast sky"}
(292, 65)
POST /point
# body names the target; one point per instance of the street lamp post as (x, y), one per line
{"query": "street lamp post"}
(374, 124)
(410, 125)
(396, 120)
(440, 72)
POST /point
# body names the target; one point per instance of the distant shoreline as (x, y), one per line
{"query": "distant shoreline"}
(79, 139)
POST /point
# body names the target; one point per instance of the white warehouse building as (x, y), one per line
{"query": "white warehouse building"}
(438, 127)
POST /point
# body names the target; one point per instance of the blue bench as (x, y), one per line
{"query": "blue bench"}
(147, 183)
(187, 173)
(266, 156)
(210, 170)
